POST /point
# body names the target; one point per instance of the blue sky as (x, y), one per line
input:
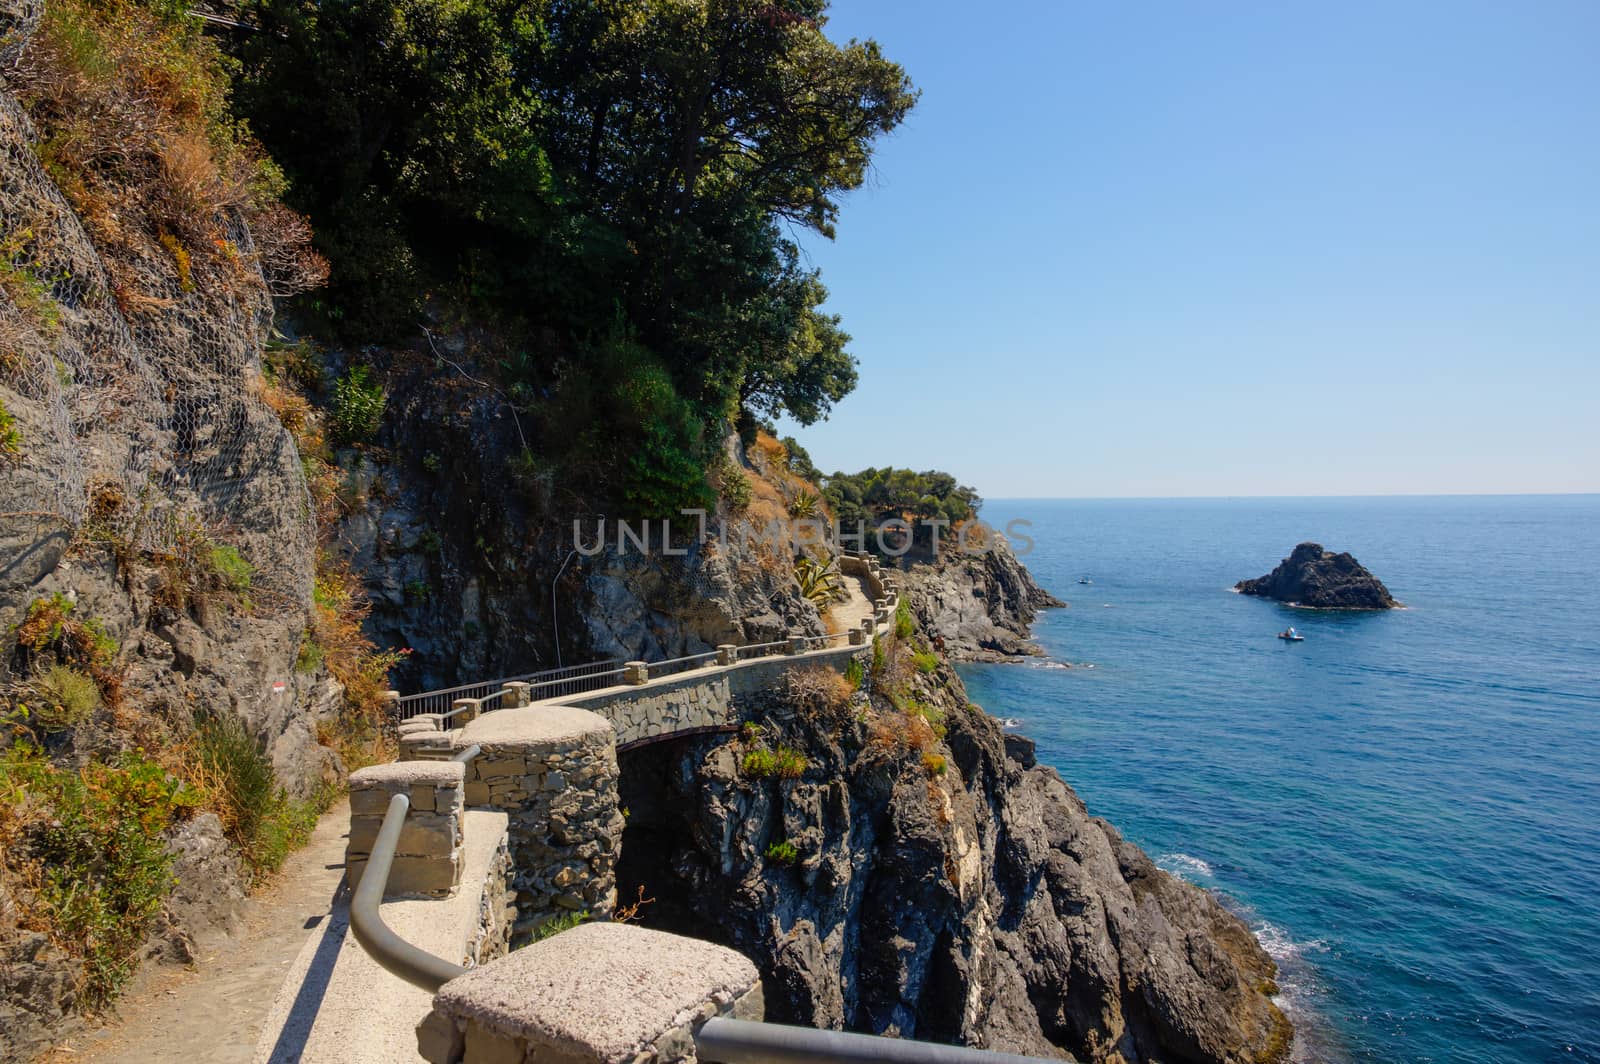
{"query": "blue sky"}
(1228, 249)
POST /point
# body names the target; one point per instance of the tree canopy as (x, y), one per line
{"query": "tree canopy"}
(588, 172)
(873, 496)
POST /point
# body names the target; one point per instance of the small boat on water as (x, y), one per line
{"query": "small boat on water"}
(1084, 580)
(1291, 636)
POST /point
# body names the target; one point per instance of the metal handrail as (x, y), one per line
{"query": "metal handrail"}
(393, 953)
(728, 1041)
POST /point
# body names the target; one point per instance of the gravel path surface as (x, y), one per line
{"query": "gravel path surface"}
(213, 1013)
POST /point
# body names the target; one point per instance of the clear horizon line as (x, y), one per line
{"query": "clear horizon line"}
(1336, 495)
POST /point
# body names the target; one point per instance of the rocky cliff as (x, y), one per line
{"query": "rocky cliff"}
(924, 876)
(151, 508)
(1312, 576)
(979, 605)
(470, 555)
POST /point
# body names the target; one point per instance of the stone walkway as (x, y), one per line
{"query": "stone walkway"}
(856, 608)
(214, 1012)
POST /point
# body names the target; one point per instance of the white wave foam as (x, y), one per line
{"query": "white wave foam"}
(1184, 866)
(1045, 663)
(1280, 947)
(1011, 722)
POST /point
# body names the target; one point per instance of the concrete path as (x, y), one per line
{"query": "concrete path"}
(214, 1012)
(337, 1006)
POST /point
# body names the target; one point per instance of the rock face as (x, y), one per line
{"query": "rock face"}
(1312, 576)
(978, 607)
(973, 902)
(137, 423)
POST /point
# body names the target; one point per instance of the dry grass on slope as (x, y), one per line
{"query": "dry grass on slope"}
(132, 109)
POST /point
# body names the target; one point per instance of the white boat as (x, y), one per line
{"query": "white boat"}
(1292, 636)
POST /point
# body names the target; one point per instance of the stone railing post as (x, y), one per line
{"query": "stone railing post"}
(727, 654)
(427, 862)
(421, 739)
(635, 672)
(869, 628)
(597, 994)
(857, 637)
(465, 710)
(517, 695)
(797, 643)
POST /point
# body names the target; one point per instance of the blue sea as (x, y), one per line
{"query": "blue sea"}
(1405, 807)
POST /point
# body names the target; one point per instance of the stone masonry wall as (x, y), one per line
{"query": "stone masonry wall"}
(497, 909)
(553, 769)
(427, 861)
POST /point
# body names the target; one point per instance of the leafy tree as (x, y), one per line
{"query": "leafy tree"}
(580, 170)
(873, 496)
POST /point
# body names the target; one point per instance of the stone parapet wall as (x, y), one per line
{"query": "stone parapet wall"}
(427, 861)
(597, 994)
(553, 769)
(497, 909)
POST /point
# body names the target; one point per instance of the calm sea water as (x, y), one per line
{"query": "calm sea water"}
(1406, 806)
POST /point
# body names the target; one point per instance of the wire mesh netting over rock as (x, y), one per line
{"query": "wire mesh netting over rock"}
(132, 407)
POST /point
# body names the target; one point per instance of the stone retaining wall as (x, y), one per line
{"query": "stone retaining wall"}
(553, 769)
(497, 909)
(427, 861)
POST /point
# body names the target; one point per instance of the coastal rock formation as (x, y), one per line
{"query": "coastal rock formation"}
(971, 900)
(978, 606)
(1312, 576)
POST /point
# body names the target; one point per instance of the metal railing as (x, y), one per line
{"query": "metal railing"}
(577, 679)
(762, 650)
(673, 666)
(722, 1040)
(547, 683)
(393, 953)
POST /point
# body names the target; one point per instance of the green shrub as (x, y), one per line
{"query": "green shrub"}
(230, 570)
(879, 658)
(934, 763)
(751, 731)
(926, 661)
(358, 403)
(46, 621)
(557, 924)
(903, 623)
(62, 698)
(97, 836)
(238, 784)
(103, 645)
(782, 763)
(310, 656)
(783, 853)
(854, 674)
(10, 435)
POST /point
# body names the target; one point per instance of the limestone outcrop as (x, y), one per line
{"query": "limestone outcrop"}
(1313, 576)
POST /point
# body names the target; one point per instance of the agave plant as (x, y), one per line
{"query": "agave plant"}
(806, 505)
(819, 581)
